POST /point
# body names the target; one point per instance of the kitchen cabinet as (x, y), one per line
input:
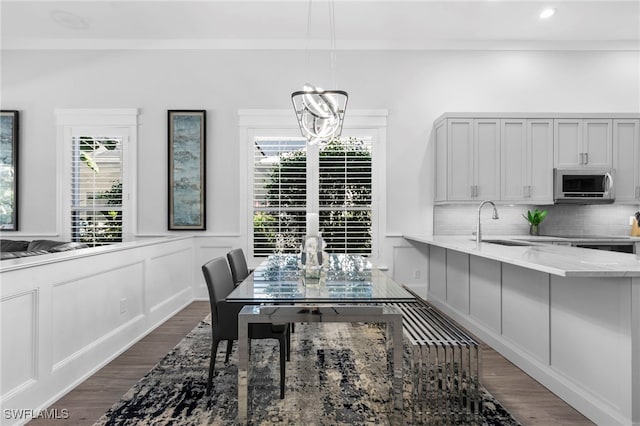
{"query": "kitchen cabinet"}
(510, 157)
(626, 160)
(467, 159)
(583, 143)
(526, 160)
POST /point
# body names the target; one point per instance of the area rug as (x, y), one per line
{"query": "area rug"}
(337, 376)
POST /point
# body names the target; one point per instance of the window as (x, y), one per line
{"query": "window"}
(285, 188)
(96, 189)
(98, 154)
(345, 194)
(343, 181)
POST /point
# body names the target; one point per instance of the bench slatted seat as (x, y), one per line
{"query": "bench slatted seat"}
(444, 366)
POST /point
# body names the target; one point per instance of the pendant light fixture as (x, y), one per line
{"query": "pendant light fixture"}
(320, 113)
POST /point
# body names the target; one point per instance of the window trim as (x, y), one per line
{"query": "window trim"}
(273, 123)
(73, 122)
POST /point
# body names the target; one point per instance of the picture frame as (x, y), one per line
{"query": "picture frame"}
(187, 170)
(9, 169)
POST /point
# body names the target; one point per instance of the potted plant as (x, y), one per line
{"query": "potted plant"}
(535, 218)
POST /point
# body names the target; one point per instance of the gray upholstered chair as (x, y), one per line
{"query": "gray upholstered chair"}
(238, 265)
(240, 271)
(224, 319)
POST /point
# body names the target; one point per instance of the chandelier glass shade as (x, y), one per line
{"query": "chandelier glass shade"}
(320, 113)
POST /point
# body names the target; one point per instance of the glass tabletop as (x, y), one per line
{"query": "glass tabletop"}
(344, 279)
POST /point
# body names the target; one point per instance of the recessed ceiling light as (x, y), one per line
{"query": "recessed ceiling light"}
(547, 13)
(68, 20)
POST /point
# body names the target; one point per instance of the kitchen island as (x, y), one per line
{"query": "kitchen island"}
(569, 317)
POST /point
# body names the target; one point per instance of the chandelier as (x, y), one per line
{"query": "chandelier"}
(320, 113)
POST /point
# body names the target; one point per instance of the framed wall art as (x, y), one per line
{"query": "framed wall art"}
(9, 141)
(187, 148)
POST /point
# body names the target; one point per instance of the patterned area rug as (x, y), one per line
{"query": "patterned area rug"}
(336, 376)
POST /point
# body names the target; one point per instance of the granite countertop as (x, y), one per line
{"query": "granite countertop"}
(541, 255)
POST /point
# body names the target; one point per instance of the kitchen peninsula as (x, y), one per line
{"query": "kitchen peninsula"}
(568, 316)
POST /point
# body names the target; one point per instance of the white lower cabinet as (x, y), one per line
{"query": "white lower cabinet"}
(578, 336)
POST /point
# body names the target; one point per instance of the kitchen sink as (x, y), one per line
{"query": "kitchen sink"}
(507, 242)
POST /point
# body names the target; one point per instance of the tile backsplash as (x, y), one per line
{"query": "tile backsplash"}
(562, 219)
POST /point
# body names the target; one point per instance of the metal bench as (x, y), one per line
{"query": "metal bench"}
(444, 367)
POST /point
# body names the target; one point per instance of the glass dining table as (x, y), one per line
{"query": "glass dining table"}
(350, 289)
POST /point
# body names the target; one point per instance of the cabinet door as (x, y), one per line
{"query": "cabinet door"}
(626, 160)
(460, 159)
(597, 146)
(513, 160)
(540, 161)
(486, 135)
(568, 143)
(441, 161)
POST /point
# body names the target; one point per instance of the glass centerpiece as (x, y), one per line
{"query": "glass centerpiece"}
(312, 259)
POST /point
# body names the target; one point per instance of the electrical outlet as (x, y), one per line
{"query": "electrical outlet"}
(416, 274)
(123, 305)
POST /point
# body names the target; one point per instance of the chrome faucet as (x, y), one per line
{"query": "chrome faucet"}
(495, 216)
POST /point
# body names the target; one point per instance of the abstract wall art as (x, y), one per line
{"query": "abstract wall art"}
(187, 148)
(9, 125)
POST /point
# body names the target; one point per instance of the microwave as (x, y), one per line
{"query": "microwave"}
(583, 186)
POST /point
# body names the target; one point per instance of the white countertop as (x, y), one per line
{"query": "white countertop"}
(541, 256)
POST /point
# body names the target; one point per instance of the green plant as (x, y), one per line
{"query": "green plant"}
(536, 217)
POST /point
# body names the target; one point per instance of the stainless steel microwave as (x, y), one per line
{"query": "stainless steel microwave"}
(583, 186)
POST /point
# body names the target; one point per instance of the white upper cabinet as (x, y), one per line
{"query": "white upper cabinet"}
(441, 161)
(626, 160)
(486, 167)
(581, 143)
(460, 160)
(472, 159)
(510, 157)
(527, 160)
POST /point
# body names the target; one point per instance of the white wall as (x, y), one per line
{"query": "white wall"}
(415, 86)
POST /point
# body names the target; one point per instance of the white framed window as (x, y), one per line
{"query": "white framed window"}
(343, 181)
(97, 158)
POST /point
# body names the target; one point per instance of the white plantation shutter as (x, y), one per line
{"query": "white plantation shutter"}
(279, 195)
(284, 190)
(96, 189)
(345, 201)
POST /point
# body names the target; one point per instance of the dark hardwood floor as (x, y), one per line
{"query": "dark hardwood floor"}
(523, 397)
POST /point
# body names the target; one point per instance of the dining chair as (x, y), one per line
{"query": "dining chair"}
(224, 319)
(240, 271)
(238, 265)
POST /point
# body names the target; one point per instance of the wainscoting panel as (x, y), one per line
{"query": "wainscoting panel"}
(525, 310)
(88, 308)
(66, 315)
(165, 274)
(602, 339)
(411, 268)
(19, 331)
(458, 280)
(484, 292)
